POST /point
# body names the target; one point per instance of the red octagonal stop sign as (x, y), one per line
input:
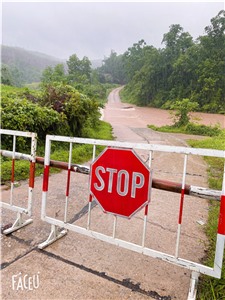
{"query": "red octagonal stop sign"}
(120, 182)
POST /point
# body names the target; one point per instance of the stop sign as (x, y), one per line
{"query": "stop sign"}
(120, 182)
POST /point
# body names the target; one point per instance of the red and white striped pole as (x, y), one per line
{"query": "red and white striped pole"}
(220, 242)
(13, 170)
(181, 206)
(32, 172)
(45, 177)
(146, 207)
(90, 196)
(221, 224)
(68, 182)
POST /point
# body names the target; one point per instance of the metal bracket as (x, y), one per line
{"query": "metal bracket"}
(193, 286)
(54, 235)
(19, 223)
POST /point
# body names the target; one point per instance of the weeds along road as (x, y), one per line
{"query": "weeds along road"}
(78, 267)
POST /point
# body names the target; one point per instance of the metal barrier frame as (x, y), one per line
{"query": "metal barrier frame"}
(19, 222)
(57, 225)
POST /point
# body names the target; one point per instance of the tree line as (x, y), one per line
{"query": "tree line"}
(66, 102)
(182, 69)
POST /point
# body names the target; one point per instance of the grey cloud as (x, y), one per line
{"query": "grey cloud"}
(93, 29)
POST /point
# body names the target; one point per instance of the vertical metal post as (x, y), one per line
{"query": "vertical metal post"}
(68, 182)
(146, 207)
(220, 242)
(32, 172)
(45, 177)
(114, 226)
(193, 286)
(13, 170)
(181, 206)
(90, 197)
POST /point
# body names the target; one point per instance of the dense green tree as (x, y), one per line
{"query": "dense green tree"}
(134, 58)
(177, 41)
(182, 69)
(112, 70)
(54, 74)
(6, 76)
(79, 70)
(146, 81)
(210, 91)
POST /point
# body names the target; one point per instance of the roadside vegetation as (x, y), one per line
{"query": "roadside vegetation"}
(65, 103)
(209, 288)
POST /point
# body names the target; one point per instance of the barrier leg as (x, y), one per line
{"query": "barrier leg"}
(19, 223)
(193, 286)
(54, 235)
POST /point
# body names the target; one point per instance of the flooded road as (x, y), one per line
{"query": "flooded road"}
(79, 267)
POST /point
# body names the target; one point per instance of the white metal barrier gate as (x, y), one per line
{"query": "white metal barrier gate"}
(19, 222)
(59, 227)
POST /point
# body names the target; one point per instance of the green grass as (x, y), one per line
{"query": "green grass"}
(80, 154)
(209, 288)
(191, 128)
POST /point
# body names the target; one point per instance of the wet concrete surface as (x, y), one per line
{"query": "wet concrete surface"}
(79, 267)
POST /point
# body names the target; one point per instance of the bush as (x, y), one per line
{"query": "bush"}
(79, 110)
(182, 112)
(212, 288)
(202, 129)
(57, 109)
(23, 115)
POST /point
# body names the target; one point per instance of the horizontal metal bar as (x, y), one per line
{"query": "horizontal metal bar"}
(17, 225)
(18, 155)
(134, 247)
(149, 147)
(14, 208)
(159, 184)
(64, 165)
(205, 193)
(17, 133)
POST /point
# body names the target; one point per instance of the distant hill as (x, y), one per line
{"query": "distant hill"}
(26, 65)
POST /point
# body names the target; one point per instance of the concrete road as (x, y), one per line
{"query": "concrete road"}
(78, 267)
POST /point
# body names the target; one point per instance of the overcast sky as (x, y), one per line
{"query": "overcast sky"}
(94, 29)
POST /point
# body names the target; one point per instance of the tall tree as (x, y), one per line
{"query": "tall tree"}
(112, 69)
(134, 58)
(79, 70)
(210, 91)
(56, 74)
(6, 76)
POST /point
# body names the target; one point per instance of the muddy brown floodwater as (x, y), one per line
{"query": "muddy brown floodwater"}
(79, 267)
